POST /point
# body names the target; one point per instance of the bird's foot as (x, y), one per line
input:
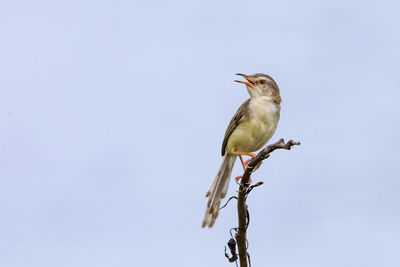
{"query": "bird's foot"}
(238, 178)
(245, 164)
(240, 154)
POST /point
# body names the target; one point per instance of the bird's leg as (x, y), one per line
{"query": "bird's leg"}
(244, 168)
(256, 168)
(245, 163)
(240, 154)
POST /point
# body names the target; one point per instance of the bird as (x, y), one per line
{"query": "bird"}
(249, 130)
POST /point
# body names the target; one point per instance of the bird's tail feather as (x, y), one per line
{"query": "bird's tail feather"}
(218, 190)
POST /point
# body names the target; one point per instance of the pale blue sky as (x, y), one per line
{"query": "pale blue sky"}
(112, 115)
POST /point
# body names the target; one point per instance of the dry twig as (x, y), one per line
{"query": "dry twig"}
(244, 190)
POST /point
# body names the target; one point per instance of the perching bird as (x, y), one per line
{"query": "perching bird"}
(249, 130)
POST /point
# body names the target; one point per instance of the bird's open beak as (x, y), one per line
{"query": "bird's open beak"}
(249, 82)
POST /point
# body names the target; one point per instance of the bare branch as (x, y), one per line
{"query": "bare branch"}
(245, 189)
(264, 154)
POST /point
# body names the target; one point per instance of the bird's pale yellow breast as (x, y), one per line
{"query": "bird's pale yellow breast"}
(259, 126)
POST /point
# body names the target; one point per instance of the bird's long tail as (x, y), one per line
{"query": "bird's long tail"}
(218, 190)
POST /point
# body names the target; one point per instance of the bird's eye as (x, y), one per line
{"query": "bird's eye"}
(262, 82)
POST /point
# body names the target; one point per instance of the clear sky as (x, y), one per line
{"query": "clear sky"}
(112, 114)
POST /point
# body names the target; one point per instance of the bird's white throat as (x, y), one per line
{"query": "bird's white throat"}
(264, 108)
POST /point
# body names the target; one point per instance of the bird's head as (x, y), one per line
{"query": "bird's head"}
(260, 85)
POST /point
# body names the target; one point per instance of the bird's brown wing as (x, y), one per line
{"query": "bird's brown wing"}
(235, 121)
